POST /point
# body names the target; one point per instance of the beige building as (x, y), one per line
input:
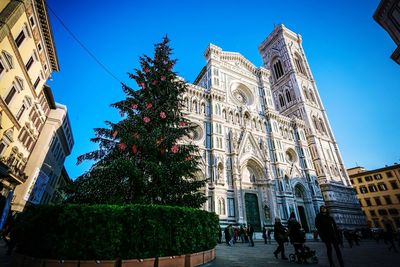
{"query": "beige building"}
(27, 59)
(388, 16)
(46, 163)
(379, 194)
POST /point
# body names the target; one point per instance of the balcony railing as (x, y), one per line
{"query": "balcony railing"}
(15, 170)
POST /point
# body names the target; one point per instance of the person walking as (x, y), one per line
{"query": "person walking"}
(269, 235)
(349, 237)
(250, 232)
(296, 236)
(264, 234)
(280, 237)
(327, 230)
(227, 236)
(389, 236)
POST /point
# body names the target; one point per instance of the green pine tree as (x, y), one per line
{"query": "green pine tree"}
(142, 159)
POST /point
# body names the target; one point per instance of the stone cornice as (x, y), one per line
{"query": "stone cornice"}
(47, 33)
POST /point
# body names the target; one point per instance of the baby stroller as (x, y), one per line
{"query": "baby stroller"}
(304, 255)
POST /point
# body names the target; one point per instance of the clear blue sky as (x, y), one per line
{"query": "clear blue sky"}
(349, 55)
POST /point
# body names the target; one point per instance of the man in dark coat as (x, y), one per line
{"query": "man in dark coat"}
(280, 237)
(327, 230)
(250, 232)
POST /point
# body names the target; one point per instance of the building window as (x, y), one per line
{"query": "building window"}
(314, 119)
(378, 201)
(382, 212)
(310, 93)
(10, 95)
(398, 198)
(372, 188)
(363, 190)
(351, 181)
(382, 187)
(388, 200)
(299, 65)
(231, 207)
(2, 68)
(29, 63)
(372, 212)
(21, 111)
(36, 82)
(39, 47)
(20, 38)
(378, 177)
(288, 97)
(394, 184)
(322, 125)
(393, 211)
(368, 201)
(359, 180)
(2, 147)
(389, 174)
(281, 100)
(278, 70)
(8, 60)
(368, 178)
(221, 206)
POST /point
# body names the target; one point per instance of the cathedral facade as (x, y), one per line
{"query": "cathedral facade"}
(266, 144)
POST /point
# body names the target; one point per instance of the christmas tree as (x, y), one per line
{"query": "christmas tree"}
(143, 158)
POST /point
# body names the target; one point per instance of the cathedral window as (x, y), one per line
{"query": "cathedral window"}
(231, 207)
(278, 70)
(299, 65)
(252, 178)
(310, 93)
(203, 108)
(305, 93)
(315, 123)
(288, 97)
(221, 206)
(281, 100)
(194, 106)
(322, 125)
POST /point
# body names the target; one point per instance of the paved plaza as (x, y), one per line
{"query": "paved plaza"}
(369, 253)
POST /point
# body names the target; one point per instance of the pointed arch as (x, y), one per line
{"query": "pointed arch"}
(288, 96)
(310, 93)
(221, 206)
(281, 100)
(277, 68)
(322, 125)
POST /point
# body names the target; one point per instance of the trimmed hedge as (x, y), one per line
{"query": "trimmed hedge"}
(107, 232)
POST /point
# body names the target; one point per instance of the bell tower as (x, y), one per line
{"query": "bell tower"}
(295, 95)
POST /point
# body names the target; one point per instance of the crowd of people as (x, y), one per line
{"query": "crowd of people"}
(326, 230)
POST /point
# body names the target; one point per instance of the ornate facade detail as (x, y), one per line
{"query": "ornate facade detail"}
(264, 157)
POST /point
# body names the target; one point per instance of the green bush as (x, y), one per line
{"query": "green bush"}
(113, 232)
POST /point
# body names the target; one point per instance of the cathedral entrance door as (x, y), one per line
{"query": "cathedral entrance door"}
(303, 218)
(252, 211)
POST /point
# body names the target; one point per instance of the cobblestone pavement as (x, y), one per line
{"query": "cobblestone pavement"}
(369, 253)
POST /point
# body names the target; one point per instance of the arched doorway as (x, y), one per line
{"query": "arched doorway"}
(301, 207)
(252, 211)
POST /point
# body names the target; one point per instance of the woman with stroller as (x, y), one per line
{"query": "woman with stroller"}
(296, 236)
